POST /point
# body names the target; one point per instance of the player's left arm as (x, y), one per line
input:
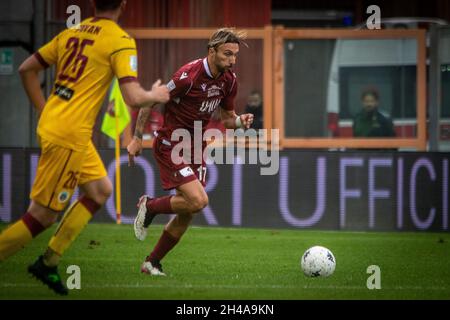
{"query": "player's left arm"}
(29, 74)
(228, 116)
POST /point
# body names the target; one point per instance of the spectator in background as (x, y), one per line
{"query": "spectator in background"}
(370, 122)
(255, 107)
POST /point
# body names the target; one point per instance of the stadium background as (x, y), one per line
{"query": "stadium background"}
(328, 191)
(399, 190)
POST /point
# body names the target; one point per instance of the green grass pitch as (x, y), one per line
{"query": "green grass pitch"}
(226, 263)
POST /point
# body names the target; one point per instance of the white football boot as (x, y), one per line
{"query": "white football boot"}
(142, 220)
(154, 269)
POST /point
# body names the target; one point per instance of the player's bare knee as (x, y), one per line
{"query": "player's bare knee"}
(205, 201)
(98, 190)
(106, 191)
(100, 197)
(199, 202)
(45, 216)
(102, 193)
(48, 219)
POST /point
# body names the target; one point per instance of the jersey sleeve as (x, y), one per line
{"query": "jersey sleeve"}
(48, 54)
(124, 59)
(228, 101)
(180, 84)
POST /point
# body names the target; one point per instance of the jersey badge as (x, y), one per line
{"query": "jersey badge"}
(133, 63)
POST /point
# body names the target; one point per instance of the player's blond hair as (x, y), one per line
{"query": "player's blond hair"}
(227, 35)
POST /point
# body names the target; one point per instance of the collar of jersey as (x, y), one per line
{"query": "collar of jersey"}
(95, 19)
(205, 64)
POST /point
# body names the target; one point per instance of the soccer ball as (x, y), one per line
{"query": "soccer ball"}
(318, 262)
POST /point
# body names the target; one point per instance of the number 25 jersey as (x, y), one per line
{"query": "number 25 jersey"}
(87, 58)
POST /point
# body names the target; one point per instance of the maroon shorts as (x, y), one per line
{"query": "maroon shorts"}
(174, 175)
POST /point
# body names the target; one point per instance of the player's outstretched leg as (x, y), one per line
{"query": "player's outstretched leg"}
(48, 275)
(19, 234)
(75, 219)
(169, 238)
(190, 199)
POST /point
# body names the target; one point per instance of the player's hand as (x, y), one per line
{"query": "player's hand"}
(134, 149)
(247, 120)
(160, 92)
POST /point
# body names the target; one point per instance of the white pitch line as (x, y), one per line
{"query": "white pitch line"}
(191, 286)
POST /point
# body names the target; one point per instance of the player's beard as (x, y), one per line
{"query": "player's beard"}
(224, 69)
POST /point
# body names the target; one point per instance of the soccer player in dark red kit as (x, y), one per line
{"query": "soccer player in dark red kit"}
(196, 90)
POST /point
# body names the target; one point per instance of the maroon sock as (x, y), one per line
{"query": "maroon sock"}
(165, 244)
(89, 204)
(32, 224)
(160, 205)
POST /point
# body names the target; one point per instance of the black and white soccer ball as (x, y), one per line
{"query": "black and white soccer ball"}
(318, 261)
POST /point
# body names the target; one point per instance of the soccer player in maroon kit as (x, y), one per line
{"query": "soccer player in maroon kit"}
(196, 90)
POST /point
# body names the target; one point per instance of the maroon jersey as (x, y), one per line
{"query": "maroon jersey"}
(195, 94)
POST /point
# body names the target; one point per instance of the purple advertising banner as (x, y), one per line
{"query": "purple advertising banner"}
(352, 190)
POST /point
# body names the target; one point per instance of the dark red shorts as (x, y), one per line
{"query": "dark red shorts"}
(174, 175)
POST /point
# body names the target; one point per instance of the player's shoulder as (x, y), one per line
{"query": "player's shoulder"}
(188, 72)
(190, 69)
(113, 33)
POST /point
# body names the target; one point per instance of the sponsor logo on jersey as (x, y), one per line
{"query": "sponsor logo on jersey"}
(63, 92)
(133, 63)
(204, 85)
(184, 75)
(213, 91)
(209, 105)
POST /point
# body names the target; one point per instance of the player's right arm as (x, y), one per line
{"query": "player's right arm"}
(29, 74)
(136, 97)
(177, 87)
(123, 59)
(30, 68)
(134, 148)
